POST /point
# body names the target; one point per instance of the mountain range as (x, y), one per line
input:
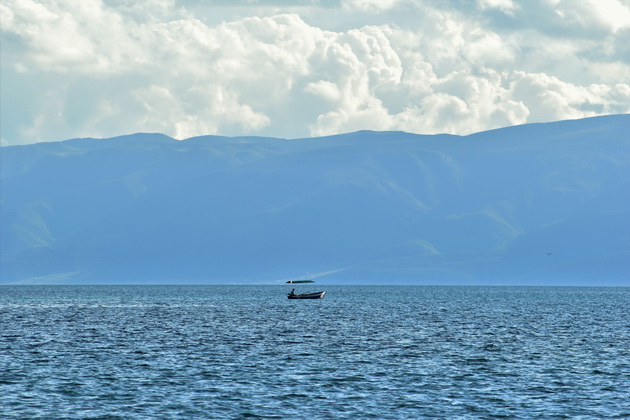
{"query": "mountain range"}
(536, 204)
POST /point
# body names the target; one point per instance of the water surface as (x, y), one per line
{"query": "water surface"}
(363, 351)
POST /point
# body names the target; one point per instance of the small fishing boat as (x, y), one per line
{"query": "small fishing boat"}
(315, 295)
(311, 295)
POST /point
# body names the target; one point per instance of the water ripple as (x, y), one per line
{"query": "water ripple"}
(363, 352)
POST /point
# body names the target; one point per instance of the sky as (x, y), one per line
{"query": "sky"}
(102, 68)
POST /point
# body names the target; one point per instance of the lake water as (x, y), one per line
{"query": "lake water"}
(362, 352)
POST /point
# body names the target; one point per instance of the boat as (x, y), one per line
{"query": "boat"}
(311, 295)
(314, 295)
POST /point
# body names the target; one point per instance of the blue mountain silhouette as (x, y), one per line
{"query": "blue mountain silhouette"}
(531, 204)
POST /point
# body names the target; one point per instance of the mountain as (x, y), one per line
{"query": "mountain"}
(531, 204)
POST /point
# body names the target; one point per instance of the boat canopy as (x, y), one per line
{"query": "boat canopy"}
(300, 281)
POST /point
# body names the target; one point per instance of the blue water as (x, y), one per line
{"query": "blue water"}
(362, 352)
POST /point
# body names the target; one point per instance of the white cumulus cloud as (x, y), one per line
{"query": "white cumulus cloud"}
(94, 68)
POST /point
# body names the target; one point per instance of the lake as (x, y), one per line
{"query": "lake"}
(361, 352)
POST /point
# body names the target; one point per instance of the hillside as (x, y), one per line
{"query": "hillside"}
(532, 204)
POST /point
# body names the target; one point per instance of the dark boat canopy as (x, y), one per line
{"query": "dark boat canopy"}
(300, 281)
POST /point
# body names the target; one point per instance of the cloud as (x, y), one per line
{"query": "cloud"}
(608, 15)
(371, 6)
(547, 97)
(109, 68)
(506, 6)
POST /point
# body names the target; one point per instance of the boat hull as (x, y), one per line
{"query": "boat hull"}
(315, 295)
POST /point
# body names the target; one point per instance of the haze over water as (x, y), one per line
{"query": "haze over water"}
(363, 351)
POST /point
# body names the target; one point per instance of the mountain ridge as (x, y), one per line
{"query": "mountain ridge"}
(505, 206)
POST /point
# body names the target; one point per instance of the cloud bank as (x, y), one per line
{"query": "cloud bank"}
(104, 68)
